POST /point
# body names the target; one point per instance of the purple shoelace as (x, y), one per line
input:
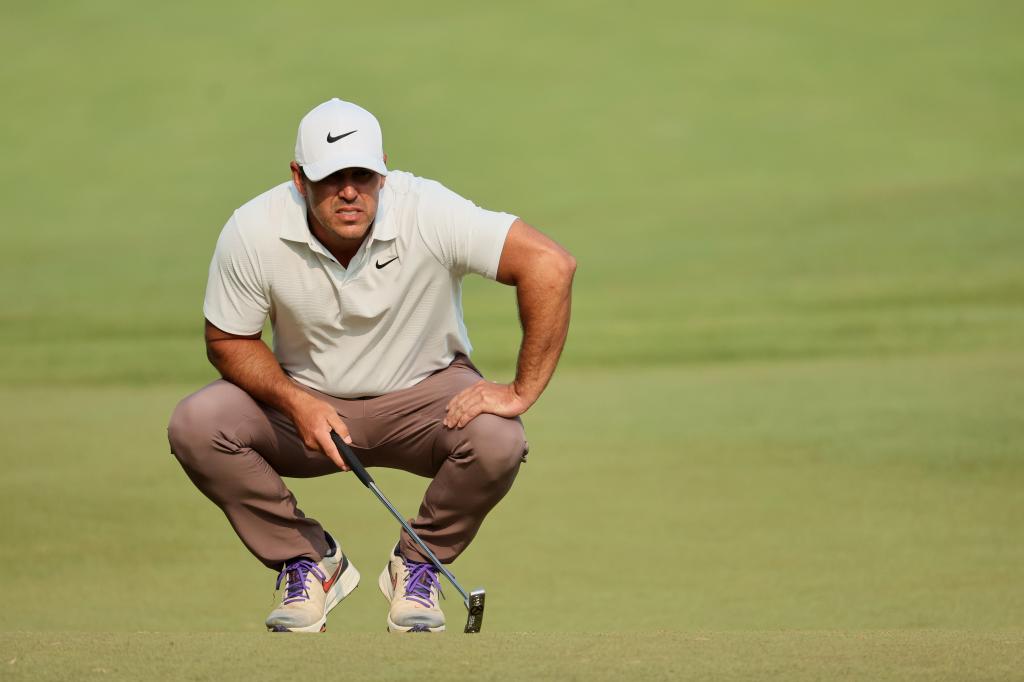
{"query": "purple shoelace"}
(417, 585)
(298, 573)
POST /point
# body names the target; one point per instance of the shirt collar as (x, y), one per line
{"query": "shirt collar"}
(294, 227)
(384, 228)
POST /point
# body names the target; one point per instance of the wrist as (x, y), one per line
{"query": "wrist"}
(292, 399)
(522, 394)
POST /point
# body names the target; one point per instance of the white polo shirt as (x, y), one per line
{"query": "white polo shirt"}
(390, 319)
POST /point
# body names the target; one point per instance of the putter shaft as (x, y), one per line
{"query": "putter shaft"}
(422, 545)
(474, 601)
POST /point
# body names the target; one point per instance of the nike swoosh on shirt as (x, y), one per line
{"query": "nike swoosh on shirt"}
(381, 265)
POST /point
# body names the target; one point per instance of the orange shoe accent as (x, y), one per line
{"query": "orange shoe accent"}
(327, 584)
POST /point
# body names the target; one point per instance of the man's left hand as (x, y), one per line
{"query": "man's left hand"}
(484, 396)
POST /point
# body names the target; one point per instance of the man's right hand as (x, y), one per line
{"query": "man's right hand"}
(314, 419)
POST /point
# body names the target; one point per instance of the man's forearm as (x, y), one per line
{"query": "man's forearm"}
(545, 301)
(250, 365)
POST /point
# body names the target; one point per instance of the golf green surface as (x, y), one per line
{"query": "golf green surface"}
(786, 438)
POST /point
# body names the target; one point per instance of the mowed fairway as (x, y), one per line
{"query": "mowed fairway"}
(786, 439)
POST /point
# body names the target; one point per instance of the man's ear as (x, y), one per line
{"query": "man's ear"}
(298, 178)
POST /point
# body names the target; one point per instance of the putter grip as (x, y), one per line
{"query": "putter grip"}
(353, 462)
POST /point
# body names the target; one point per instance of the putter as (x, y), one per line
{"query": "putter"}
(474, 601)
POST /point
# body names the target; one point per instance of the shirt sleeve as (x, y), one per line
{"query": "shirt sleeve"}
(462, 236)
(236, 298)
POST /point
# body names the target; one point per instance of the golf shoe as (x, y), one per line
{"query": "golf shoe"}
(311, 590)
(413, 590)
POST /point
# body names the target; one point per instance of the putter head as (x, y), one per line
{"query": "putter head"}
(476, 611)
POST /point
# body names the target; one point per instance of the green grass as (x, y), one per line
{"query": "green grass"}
(785, 438)
(841, 494)
(877, 655)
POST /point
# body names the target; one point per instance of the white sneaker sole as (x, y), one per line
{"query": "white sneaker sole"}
(347, 582)
(384, 583)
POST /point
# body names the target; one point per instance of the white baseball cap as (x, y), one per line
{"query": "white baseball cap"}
(337, 135)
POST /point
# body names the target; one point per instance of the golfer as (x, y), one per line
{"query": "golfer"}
(359, 269)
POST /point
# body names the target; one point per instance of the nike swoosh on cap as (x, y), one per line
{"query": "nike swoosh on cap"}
(335, 139)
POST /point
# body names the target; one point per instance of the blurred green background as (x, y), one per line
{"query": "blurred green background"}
(791, 397)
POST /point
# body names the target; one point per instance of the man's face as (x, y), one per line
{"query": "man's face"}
(344, 203)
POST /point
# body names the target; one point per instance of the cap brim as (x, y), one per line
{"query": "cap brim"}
(320, 170)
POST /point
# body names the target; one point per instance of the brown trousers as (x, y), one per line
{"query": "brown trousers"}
(236, 450)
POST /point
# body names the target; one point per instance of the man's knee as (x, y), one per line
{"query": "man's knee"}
(498, 444)
(203, 418)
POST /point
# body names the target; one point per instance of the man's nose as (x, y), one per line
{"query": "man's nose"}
(348, 191)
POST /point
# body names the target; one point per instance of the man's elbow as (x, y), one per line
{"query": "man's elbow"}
(212, 355)
(563, 265)
(215, 353)
(570, 265)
